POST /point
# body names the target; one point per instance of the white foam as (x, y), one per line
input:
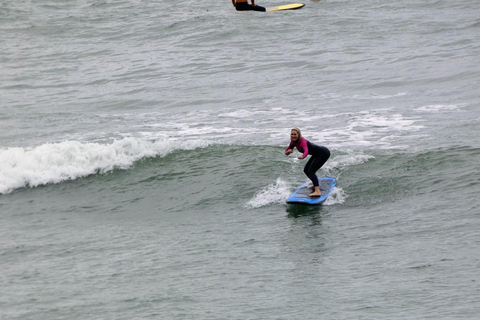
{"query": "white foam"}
(339, 97)
(344, 161)
(251, 112)
(275, 193)
(382, 123)
(381, 128)
(379, 96)
(370, 130)
(278, 192)
(438, 108)
(69, 160)
(336, 196)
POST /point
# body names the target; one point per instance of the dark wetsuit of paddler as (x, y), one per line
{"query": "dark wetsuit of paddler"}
(243, 5)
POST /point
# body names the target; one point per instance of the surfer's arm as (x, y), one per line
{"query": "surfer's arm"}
(304, 146)
(289, 149)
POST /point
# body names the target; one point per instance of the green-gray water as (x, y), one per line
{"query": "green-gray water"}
(143, 176)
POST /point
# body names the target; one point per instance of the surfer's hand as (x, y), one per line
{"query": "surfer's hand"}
(300, 157)
(289, 151)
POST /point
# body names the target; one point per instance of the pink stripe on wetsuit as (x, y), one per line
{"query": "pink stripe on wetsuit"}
(301, 146)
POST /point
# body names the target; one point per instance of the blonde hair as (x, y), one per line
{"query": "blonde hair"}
(299, 133)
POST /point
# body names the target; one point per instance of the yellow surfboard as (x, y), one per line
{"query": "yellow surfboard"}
(292, 6)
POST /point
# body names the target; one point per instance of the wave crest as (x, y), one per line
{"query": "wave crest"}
(69, 160)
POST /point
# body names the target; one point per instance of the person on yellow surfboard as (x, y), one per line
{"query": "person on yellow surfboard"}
(243, 5)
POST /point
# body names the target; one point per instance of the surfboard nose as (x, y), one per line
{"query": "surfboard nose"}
(292, 6)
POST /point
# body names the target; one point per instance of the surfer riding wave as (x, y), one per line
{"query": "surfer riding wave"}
(243, 5)
(320, 155)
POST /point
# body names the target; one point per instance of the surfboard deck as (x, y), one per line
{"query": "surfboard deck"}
(300, 196)
(292, 6)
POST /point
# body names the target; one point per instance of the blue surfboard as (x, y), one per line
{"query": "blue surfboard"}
(300, 196)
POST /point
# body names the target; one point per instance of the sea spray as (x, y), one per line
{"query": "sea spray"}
(274, 193)
(336, 196)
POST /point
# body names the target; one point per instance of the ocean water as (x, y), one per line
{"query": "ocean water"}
(142, 173)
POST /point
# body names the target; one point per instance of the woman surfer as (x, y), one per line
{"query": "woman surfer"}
(320, 155)
(242, 5)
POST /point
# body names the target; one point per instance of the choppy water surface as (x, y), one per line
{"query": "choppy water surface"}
(142, 170)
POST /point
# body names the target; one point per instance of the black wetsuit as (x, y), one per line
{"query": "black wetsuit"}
(244, 6)
(320, 155)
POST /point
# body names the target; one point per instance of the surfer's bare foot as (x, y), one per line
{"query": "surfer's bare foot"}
(316, 193)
